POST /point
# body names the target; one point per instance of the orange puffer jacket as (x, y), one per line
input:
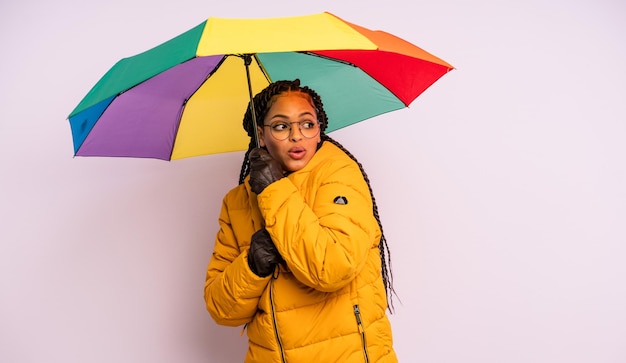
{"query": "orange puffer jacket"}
(327, 302)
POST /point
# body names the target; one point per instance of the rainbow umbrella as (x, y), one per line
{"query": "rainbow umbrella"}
(187, 96)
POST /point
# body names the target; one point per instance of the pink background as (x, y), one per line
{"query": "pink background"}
(501, 189)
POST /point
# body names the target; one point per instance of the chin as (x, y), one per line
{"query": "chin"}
(291, 167)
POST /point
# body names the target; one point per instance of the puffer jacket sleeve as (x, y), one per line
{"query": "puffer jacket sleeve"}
(324, 240)
(231, 290)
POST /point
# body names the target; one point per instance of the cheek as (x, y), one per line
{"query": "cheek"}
(317, 139)
(270, 144)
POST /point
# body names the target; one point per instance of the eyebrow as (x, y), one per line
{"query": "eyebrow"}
(279, 115)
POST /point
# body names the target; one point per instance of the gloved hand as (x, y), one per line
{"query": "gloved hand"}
(264, 170)
(263, 255)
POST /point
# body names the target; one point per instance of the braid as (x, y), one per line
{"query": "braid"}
(245, 166)
(385, 255)
(262, 103)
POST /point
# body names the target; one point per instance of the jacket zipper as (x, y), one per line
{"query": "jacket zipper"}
(357, 314)
(280, 343)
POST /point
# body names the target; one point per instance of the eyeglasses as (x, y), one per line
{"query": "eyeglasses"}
(281, 130)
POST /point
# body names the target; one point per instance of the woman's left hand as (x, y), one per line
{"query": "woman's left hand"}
(264, 170)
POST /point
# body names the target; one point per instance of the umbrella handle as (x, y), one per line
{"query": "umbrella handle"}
(247, 60)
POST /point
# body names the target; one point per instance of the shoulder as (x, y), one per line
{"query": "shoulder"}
(331, 165)
(238, 197)
(329, 156)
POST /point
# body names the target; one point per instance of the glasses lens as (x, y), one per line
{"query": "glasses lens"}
(282, 130)
(309, 129)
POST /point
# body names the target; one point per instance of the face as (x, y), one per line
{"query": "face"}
(295, 152)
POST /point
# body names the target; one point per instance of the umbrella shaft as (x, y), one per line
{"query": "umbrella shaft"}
(247, 59)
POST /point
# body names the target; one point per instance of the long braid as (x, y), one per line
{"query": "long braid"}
(385, 255)
(262, 103)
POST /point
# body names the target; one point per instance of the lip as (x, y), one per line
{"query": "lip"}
(296, 153)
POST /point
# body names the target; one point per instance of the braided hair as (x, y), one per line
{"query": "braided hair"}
(263, 101)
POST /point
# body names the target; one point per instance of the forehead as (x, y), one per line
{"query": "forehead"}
(289, 94)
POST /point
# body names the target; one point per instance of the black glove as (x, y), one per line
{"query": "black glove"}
(263, 255)
(264, 170)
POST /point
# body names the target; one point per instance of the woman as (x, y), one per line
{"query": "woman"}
(300, 258)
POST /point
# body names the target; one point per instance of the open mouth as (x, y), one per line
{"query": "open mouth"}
(297, 153)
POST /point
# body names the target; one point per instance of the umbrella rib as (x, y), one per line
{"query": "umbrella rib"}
(258, 63)
(355, 66)
(330, 59)
(94, 124)
(182, 110)
(263, 70)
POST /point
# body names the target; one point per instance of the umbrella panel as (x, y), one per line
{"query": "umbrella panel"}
(131, 71)
(405, 76)
(349, 94)
(143, 121)
(212, 119)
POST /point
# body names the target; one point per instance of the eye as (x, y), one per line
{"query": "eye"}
(308, 124)
(279, 126)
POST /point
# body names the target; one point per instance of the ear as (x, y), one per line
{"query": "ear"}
(260, 130)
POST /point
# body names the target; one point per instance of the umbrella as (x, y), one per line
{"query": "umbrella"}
(187, 97)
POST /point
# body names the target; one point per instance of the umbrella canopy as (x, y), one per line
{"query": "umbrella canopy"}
(187, 96)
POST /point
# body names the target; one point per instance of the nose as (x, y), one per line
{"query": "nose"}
(295, 133)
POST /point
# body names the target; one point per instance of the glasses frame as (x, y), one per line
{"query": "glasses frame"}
(271, 126)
